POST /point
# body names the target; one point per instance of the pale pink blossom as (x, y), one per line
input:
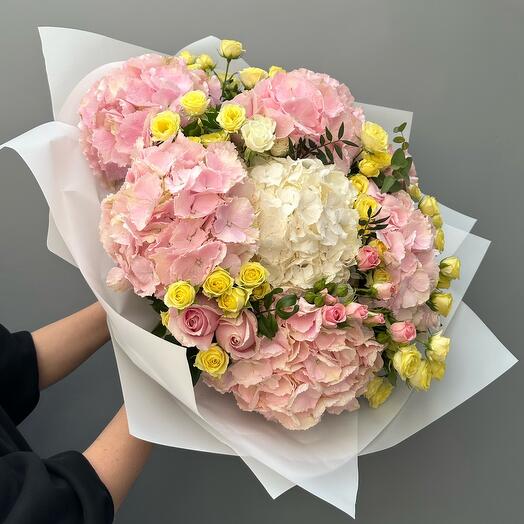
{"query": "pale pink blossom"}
(367, 258)
(403, 332)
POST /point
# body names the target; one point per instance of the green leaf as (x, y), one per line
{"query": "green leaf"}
(398, 140)
(288, 314)
(322, 157)
(341, 131)
(268, 299)
(192, 129)
(398, 159)
(401, 127)
(286, 301)
(329, 136)
(388, 184)
(349, 143)
(159, 330)
(338, 151)
(322, 140)
(405, 146)
(329, 154)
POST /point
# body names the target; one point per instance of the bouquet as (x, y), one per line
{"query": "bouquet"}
(264, 253)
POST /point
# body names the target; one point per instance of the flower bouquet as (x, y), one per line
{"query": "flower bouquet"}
(265, 255)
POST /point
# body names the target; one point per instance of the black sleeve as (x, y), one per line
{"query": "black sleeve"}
(63, 489)
(19, 391)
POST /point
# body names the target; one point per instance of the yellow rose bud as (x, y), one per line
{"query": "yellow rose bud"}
(441, 303)
(379, 246)
(368, 168)
(443, 282)
(366, 206)
(406, 361)
(165, 125)
(440, 240)
(422, 377)
(438, 347)
(231, 117)
(213, 361)
(180, 295)
(205, 62)
(450, 267)
(381, 276)
(218, 282)
(429, 205)
(251, 76)
(187, 57)
(437, 220)
(438, 369)
(231, 49)
(252, 274)
(232, 81)
(414, 192)
(164, 318)
(381, 159)
(360, 183)
(280, 147)
(378, 391)
(374, 138)
(195, 103)
(211, 138)
(273, 70)
(261, 291)
(232, 302)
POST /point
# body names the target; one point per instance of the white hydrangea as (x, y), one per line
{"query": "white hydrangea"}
(308, 227)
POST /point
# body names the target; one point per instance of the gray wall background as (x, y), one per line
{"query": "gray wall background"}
(459, 66)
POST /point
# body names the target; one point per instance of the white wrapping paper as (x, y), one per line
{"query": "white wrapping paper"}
(161, 404)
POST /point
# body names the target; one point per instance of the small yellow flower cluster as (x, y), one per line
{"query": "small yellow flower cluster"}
(429, 206)
(375, 154)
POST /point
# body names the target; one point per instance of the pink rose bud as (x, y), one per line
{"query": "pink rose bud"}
(356, 311)
(403, 332)
(367, 258)
(375, 319)
(384, 290)
(333, 315)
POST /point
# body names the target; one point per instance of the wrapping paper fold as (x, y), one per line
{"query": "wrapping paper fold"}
(161, 403)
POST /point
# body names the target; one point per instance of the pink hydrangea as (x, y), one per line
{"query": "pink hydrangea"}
(180, 213)
(410, 258)
(308, 369)
(115, 113)
(303, 103)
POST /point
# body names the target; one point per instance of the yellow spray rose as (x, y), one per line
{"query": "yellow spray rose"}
(378, 245)
(440, 240)
(437, 368)
(196, 139)
(441, 303)
(231, 49)
(437, 220)
(211, 138)
(180, 295)
(231, 117)
(368, 167)
(407, 361)
(374, 138)
(205, 62)
(165, 125)
(429, 205)
(422, 377)
(252, 274)
(360, 183)
(378, 391)
(438, 347)
(232, 302)
(164, 318)
(414, 192)
(380, 276)
(381, 159)
(218, 282)
(364, 203)
(195, 102)
(251, 76)
(443, 282)
(213, 361)
(450, 267)
(261, 291)
(273, 70)
(187, 57)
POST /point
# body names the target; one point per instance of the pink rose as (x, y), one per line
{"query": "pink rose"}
(374, 319)
(306, 323)
(367, 258)
(195, 325)
(356, 311)
(403, 332)
(333, 315)
(384, 290)
(237, 336)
